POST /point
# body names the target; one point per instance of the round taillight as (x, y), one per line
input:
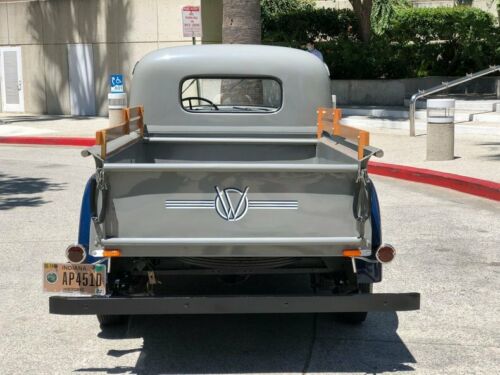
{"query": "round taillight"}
(76, 253)
(385, 253)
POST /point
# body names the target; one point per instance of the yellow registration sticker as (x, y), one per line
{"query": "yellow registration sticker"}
(87, 279)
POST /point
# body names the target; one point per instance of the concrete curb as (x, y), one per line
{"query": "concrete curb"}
(49, 141)
(469, 185)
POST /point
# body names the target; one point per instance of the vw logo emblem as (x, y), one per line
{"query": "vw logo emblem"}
(231, 204)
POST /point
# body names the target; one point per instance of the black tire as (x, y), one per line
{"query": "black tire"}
(355, 318)
(112, 320)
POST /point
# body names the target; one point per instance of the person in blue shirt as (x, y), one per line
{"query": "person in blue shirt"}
(310, 47)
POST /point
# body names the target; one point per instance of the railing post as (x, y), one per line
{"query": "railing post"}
(443, 86)
(413, 104)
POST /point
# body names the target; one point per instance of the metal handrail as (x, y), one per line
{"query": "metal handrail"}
(444, 86)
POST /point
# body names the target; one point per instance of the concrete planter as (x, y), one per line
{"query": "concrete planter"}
(392, 92)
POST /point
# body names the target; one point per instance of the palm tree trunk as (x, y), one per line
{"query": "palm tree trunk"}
(241, 22)
(363, 9)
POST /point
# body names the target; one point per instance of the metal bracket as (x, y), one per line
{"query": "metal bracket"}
(98, 231)
(362, 209)
(100, 179)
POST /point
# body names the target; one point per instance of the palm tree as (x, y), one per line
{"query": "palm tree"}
(241, 24)
(241, 21)
(363, 9)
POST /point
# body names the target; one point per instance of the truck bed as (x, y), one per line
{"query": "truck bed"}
(221, 197)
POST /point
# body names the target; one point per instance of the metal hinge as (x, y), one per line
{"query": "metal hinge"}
(100, 179)
(362, 199)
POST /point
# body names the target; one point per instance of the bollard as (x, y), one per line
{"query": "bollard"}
(440, 129)
(117, 102)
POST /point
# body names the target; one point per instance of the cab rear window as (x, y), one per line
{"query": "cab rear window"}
(231, 94)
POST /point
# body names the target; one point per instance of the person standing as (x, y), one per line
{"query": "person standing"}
(310, 47)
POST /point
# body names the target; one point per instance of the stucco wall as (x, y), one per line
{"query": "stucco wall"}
(120, 32)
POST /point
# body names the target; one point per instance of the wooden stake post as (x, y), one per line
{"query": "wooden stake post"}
(329, 121)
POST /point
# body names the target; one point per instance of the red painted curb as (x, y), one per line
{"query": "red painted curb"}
(469, 185)
(51, 141)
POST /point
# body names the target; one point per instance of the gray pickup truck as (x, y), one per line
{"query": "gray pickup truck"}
(231, 188)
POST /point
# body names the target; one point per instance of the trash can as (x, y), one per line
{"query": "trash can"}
(440, 129)
(117, 102)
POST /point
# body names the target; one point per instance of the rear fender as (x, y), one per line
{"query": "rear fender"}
(372, 272)
(86, 214)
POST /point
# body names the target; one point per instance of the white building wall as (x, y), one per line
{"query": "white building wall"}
(120, 32)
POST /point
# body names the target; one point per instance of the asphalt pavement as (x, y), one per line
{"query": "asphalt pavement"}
(448, 250)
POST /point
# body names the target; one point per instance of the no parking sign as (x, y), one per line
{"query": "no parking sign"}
(191, 21)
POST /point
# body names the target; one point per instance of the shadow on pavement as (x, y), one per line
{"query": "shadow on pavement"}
(13, 186)
(494, 148)
(277, 343)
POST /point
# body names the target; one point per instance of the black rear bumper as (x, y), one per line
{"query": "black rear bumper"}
(233, 304)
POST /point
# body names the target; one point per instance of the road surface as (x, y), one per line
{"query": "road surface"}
(448, 250)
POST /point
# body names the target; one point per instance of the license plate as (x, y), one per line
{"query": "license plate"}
(89, 279)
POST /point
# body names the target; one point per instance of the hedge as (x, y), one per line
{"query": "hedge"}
(417, 42)
(296, 27)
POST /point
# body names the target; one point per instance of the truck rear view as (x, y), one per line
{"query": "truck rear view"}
(232, 187)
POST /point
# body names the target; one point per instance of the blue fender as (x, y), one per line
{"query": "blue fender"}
(372, 272)
(86, 218)
(375, 218)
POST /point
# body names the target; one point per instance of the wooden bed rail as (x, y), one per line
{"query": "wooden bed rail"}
(134, 121)
(329, 121)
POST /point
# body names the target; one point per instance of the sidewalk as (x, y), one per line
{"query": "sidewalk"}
(477, 155)
(13, 125)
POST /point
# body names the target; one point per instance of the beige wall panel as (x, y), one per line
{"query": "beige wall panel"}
(57, 79)
(105, 63)
(337, 4)
(4, 29)
(174, 44)
(170, 19)
(131, 20)
(89, 20)
(58, 22)
(128, 55)
(25, 23)
(33, 79)
(486, 5)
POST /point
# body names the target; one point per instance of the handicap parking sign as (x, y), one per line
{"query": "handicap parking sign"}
(116, 83)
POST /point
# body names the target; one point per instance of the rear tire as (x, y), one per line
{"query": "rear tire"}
(355, 318)
(112, 320)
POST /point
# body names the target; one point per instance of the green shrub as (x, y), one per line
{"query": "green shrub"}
(424, 25)
(294, 22)
(445, 41)
(417, 42)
